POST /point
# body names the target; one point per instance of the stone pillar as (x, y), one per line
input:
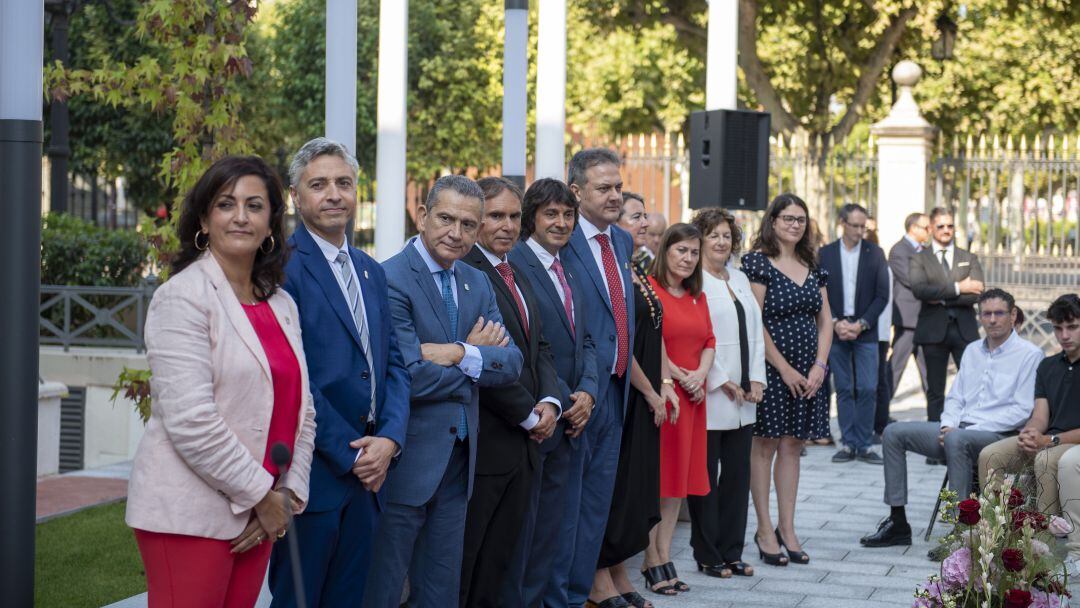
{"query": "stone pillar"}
(551, 90)
(721, 77)
(904, 142)
(391, 115)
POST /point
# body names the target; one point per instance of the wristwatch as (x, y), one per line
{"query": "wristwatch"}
(1055, 440)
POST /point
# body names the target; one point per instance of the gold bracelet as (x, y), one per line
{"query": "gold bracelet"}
(667, 381)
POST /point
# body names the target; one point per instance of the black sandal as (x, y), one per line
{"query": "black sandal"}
(655, 576)
(799, 557)
(615, 601)
(634, 599)
(773, 559)
(672, 575)
(740, 568)
(714, 571)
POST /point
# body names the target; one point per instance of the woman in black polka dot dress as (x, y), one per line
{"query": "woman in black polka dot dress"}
(790, 288)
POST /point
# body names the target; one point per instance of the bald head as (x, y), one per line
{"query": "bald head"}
(657, 226)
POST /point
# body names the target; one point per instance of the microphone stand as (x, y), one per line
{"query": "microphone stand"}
(280, 456)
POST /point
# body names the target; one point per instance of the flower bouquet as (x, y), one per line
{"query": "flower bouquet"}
(999, 555)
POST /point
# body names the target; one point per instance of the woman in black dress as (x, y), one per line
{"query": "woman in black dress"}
(790, 287)
(636, 506)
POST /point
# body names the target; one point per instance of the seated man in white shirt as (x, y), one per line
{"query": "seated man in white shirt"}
(993, 395)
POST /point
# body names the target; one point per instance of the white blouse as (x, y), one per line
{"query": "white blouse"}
(722, 413)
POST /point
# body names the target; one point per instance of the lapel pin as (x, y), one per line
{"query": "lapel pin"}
(466, 287)
(365, 274)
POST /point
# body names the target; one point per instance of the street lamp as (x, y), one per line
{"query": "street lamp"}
(942, 49)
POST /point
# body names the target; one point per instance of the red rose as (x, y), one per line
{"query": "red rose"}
(1037, 520)
(1016, 498)
(1017, 598)
(1012, 559)
(969, 511)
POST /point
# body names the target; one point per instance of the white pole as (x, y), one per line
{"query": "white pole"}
(551, 90)
(721, 78)
(390, 138)
(515, 95)
(341, 72)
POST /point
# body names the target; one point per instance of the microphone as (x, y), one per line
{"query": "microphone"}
(282, 459)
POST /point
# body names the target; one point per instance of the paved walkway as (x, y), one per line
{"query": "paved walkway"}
(60, 495)
(838, 503)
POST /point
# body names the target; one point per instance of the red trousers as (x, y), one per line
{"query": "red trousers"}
(194, 572)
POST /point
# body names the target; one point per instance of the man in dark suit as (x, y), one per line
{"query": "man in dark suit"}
(549, 214)
(599, 255)
(905, 305)
(451, 336)
(947, 281)
(515, 417)
(858, 290)
(358, 380)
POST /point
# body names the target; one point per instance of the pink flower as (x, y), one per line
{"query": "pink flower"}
(1059, 526)
(956, 569)
(1039, 548)
(1042, 599)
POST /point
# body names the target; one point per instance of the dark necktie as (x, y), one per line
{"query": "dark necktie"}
(618, 303)
(945, 263)
(507, 274)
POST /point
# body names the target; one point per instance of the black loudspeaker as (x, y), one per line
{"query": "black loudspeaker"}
(729, 159)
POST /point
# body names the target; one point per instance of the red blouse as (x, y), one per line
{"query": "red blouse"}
(285, 376)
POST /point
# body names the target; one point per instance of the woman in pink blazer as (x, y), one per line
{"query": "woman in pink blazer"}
(229, 382)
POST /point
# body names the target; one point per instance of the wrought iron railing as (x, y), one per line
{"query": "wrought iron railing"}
(93, 316)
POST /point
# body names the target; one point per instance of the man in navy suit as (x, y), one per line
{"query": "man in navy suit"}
(451, 336)
(358, 381)
(858, 291)
(599, 255)
(549, 214)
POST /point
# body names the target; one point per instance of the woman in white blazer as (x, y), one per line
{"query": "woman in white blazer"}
(228, 383)
(735, 383)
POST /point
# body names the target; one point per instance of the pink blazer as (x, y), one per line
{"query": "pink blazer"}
(198, 469)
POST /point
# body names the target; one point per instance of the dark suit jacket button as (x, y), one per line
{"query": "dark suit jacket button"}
(364, 375)
(453, 430)
(611, 338)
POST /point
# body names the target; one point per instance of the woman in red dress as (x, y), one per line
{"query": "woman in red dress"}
(688, 340)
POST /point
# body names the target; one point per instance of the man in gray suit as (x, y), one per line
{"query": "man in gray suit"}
(905, 305)
(451, 336)
(947, 281)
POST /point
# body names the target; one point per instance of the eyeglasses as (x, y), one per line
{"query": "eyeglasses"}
(856, 226)
(993, 314)
(944, 226)
(793, 219)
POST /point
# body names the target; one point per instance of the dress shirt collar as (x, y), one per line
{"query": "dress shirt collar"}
(491, 257)
(329, 250)
(1011, 342)
(545, 257)
(916, 245)
(948, 250)
(853, 250)
(432, 265)
(590, 230)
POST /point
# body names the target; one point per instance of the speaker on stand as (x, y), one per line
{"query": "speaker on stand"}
(729, 160)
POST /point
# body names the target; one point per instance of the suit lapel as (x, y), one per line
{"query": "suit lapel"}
(316, 265)
(540, 275)
(235, 312)
(480, 261)
(426, 283)
(580, 247)
(372, 312)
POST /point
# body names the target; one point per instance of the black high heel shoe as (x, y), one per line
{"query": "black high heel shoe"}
(798, 557)
(773, 559)
(655, 576)
(672, 575)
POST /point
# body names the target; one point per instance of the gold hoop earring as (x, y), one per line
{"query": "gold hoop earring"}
(203, 248)
(272, 245)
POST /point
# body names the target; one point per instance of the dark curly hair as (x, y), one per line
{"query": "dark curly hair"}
(1064, 309)
(540, 194)
(706, 220)
(268, 272)
(765, 241)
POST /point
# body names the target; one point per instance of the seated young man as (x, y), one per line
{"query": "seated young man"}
(992, 395)
(1055, 424)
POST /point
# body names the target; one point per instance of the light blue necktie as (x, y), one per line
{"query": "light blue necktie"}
(451, 310)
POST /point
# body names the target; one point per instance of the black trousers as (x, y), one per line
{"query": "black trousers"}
(493, 523)
(937, 367)
(884, 388)
(718, 520)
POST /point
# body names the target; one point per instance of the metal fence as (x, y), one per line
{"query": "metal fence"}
(93, 316)
(99, 202)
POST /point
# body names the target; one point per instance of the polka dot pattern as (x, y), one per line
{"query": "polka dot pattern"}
(789, 315)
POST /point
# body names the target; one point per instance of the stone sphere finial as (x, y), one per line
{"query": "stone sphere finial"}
(906, 73)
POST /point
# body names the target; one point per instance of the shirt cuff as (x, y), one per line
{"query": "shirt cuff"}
(472, 363)
(359, 453)
(531, 421)
(956, 286)
(556, 403)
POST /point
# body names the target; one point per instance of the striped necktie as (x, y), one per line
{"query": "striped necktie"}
(361, 323)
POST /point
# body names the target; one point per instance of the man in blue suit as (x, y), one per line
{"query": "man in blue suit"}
(599, 255)
(450, 331)
(548, 217)
(358, 379)
(858, 291)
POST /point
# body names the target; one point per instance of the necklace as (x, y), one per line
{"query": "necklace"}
(656, 311)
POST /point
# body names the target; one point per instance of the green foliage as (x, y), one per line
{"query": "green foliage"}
(135, 385)
(86, 560)
(76, 252)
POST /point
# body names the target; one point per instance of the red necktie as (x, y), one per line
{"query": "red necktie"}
(618, 303)
(568, 296)
(508, 278)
